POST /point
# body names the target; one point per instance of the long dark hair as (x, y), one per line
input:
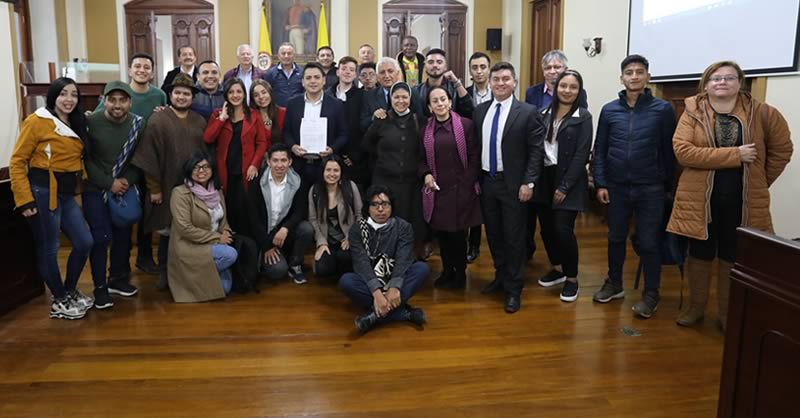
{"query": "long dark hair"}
(76, 119)
(320, 191)
(272, 107)
(227, 87)
(556, 103)
(188, 167)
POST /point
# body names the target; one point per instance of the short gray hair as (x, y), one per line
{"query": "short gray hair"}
(239, 48)
(387, 60)
(289, 44)
(553, 55)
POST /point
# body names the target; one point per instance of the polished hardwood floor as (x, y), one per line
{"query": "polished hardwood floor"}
(291, 351)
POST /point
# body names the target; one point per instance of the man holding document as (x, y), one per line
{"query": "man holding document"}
(315, 125)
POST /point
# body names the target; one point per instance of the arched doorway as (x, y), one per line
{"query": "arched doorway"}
(161, 27)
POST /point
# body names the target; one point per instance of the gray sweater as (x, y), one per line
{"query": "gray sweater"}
(395, 240)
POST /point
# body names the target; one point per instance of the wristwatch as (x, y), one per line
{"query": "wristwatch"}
(530, 186)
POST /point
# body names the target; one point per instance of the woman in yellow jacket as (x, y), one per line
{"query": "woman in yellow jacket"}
(46, 168)
(732, 148)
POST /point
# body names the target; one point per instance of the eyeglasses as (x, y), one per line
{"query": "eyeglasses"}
(380, 204)
(199, 168)
(727, 78)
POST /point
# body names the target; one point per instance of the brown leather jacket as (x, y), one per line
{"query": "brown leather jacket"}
(696, 150)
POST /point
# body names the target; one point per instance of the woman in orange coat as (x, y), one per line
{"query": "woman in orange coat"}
(241, 140)
(732, 148)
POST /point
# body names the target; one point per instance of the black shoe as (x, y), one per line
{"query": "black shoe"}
(147, 265)
(366, 322)
(122, 287)
(569, 293)
(492, 287)
(443, 281)
(102, 300)
(552, 278)
(414, 315)
(472, 253)
(459, 281)
(513, 303)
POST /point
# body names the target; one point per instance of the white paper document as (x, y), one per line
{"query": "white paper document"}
(314, 135)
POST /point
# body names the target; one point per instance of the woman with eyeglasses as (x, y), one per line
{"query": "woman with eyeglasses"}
(732, 148)
(200, 251)
(563, 188)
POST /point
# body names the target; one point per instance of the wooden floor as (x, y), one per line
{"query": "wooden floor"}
(291, 351)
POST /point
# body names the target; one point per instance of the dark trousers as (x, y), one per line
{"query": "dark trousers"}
(355, 287)
(531, 210)
(452, 247)
(334, 264)
(299, 239)
(646, 204)
(475, 235)
(558, 234)
(97, 214)
(46, 226)
(504, 218)
(726, 216)
(144, 241)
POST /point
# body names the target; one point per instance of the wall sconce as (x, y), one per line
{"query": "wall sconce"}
(593, 46)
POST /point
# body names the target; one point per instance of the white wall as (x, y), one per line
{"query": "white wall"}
(43, 44)
(76, 29)
(587, 19)
(513, 39)
(782, 93)
(9, 114)
(609, 19)
(166, 55)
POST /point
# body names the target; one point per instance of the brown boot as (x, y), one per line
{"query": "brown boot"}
(723, 291)
(699, 273)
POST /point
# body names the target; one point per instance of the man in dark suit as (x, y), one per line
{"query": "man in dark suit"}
(346, 90)
(187, 59)
(314, 103)
(511, 135)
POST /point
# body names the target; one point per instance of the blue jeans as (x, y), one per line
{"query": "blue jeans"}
(45, 226)
(355, 287)
(103, 231)
(646, 204)
(224, 257)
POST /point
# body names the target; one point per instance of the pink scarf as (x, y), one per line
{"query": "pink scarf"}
(209, 195)
(430, 157)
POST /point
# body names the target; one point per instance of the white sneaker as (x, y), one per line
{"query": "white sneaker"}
(82, 301)
(66, 308)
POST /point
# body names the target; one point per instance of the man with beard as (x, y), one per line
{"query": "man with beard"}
(172, 136)
(285, 78)
(439, 75)
(187, 58)
(113, 135)
(145, 99)
(209, 95)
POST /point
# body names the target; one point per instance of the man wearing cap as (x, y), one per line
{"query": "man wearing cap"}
(172, 136)
(113, 135)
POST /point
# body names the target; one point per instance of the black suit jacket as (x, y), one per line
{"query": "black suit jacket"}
(534, 96)
(332, 108)
(171, 77)
(522, 143)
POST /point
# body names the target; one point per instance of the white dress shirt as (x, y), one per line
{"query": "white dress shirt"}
(505, 107)
(246, 77)
(551, 146)
(276, 200)
(342, 95)
(313, 109)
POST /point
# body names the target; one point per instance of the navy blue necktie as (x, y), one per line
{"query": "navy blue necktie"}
(493, 142)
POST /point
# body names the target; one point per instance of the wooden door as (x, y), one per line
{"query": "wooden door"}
(545, 34)
(140, 34)
(455, 41)
(196, 30)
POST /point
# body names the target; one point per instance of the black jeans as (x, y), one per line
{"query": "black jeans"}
(726, 216)
(558, 234)
(297, 242)
(453, 246)
(334, 264)
(646, 204)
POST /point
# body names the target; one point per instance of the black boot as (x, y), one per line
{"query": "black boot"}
(459, 281)
(444, 281)
(414, 315)
(366, 322)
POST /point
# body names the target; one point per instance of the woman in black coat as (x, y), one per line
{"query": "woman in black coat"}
(394, 141)
(562, 191)
(449, 168)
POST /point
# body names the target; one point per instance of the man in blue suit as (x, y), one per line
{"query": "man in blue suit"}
(314, 103)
